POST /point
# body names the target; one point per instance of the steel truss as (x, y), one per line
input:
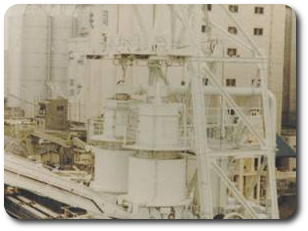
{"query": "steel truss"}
(192, 17)
(207, 158)
(197, 64)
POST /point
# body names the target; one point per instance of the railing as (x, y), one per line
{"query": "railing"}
(95, 127)
(185, 131)
(223, 126)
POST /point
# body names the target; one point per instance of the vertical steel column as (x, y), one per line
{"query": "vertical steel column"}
(269, 144)
(199, 118)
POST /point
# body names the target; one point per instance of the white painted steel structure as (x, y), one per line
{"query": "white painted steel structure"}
(216, 120)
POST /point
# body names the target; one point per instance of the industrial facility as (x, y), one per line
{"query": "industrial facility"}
(150, 112)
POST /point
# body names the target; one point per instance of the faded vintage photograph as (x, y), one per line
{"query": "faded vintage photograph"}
(150, 111)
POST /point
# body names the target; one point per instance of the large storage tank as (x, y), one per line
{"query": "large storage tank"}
(157, 170)
(157, 182)
(153, 121)
(110, 170)
(111, 160)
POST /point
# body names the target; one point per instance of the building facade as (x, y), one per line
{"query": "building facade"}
(289, 77)
(73, 66)
(265, 24)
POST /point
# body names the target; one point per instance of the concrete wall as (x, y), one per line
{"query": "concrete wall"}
(289, 81)
(271, 43)
(93, 21)
(37, 55)
(6, 73)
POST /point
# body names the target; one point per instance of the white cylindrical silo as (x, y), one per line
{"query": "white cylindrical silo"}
(159, 126)
(28, 59)
(38, 55)
(156, 182)
(62, 29)
(111, 170)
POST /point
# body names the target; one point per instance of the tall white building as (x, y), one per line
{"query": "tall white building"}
(264, 23)
(77, 69)
(289, 96)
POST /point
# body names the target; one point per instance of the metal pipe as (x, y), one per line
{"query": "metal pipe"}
(209, 90)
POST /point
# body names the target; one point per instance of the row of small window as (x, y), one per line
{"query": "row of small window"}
(235, 9)
(256, 31)
(233, 30)
(232, 82)
(104, 18)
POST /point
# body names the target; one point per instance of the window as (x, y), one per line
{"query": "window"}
(104, 37)
(71, 82)
(72, 92)
(70, 55)
(231, 112)
(205, 81)
(231, 82)
(256, 82)
(206, 7)
(233, 8)
(231, 52)
(105, 17)
(256, 164)
(259, 10)
(255, 192)
(258, 31)
(60, 108)
(232, 30)
(91, 19)
(80, 61)
(203, 28)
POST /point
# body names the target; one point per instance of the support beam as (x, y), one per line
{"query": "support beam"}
(269, 143)
(234, 105)
(201, 145)
(236, 193)
(232, 37)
